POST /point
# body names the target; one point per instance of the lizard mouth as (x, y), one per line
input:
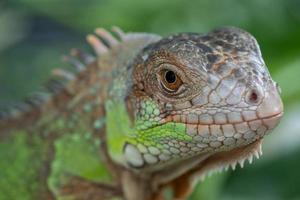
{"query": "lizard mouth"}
(222, 161)
(240, 144)
(195, 119)
(227, 134)
(201, 165)
(206, 163)
(218, 152)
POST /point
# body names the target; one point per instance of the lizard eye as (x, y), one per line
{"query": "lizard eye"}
(170, 80)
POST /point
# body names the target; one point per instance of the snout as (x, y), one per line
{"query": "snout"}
(271, 108)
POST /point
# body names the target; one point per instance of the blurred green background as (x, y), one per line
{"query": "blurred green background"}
(34, 34)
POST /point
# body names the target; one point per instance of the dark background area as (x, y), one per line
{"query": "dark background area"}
(34, 34)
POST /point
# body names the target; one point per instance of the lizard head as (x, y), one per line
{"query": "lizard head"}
(200, 94)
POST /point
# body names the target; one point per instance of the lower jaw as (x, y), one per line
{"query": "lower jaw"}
(223, 160)
(198, 166)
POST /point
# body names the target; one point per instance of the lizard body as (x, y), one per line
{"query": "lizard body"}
(160, 112)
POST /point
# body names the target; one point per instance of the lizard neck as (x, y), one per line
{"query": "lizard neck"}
(143, 142)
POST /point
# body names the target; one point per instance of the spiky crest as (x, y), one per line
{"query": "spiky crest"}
(62, 84)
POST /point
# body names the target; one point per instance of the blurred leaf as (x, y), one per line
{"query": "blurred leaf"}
(277, 179)
(211, 188)
(288, 79)
(13, 27)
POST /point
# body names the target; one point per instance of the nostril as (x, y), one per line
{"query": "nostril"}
(253, 96)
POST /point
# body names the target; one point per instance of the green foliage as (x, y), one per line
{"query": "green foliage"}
(209, 189)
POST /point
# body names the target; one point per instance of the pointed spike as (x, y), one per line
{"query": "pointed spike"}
(233, 165)
(23, 107)
(84, 57)
(42, 95)
(63, 73)
(78, 65)
(31, 101)
(241, 162)
(96, 44)
(105, 35)
(256, 154)
(38, 98)
(55, 86)
(250, 159)
(226, 168)
(119, 32)
(260, 150)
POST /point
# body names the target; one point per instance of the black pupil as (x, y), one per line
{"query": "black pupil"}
(170, 76)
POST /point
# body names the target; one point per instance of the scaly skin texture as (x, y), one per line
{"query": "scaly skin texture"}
(147, 113)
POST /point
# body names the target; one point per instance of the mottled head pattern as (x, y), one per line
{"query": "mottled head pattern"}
(197, 93)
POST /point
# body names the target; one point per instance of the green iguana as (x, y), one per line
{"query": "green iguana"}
(145, 115)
